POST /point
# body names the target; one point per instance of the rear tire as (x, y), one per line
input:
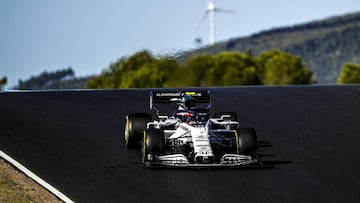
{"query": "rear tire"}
(135, 124)
(247, 141)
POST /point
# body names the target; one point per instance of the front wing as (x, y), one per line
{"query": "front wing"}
(180, 161)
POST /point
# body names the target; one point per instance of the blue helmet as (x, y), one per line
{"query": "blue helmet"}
(188, 101)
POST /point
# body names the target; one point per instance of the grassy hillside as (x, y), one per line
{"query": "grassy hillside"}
(323, 45)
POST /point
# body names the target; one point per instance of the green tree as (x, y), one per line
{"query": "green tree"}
(147, 76)
(3, 82)
(102, 81)
(196, 69)
(152, 74)
(141, 70)
(350, 74)
(132, 65)
(118, 74)
(233, 68)
(280, 68)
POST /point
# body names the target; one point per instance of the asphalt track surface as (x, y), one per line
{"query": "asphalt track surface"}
(74, 140)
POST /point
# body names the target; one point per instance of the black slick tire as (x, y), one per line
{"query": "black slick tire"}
(247, 141)
(153, 145)
(135, 124)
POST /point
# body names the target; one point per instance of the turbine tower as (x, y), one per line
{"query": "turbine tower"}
(210, 10)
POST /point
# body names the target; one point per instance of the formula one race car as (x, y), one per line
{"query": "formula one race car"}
(190, 137)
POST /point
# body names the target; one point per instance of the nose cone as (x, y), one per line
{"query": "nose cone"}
(203, 159)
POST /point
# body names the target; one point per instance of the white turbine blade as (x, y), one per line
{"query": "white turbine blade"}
(202, 20)
(221, 10)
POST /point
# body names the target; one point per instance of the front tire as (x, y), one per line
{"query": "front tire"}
(135, 124)
(247, 141)
(153, 145)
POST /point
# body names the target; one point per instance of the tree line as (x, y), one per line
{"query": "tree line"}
(3, 82)
(143, 70)
(46, 80)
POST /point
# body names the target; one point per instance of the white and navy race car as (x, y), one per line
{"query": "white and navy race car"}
(190, 137)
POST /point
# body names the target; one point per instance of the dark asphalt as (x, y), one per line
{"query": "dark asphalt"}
(74, 140)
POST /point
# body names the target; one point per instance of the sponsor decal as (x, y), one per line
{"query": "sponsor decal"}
(195, 94)
(167, 94)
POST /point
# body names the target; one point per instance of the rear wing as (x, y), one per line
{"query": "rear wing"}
(174, 96)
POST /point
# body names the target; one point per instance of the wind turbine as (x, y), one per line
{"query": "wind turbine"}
(210, 10)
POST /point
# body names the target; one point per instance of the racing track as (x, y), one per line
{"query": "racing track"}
(74, 140)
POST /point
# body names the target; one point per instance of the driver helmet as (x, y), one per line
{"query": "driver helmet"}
(188, 102)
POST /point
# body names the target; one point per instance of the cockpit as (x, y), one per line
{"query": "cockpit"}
(187, 112)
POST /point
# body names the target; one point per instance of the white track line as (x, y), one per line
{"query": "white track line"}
(35, 178)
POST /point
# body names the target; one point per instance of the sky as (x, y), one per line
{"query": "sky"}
(89, 35)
